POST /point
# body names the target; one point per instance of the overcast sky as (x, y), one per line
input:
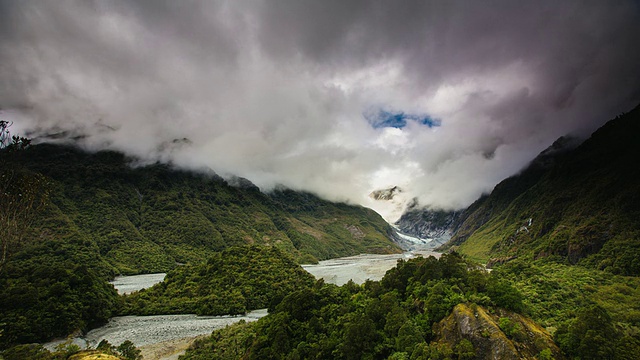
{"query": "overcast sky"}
(442, 98)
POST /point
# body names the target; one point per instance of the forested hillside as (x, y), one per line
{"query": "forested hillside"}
(577, 205)
(445, 309)
(147, 219)
(71, 220)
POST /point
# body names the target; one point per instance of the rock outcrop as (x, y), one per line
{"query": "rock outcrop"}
(438, 225)
(501, 335)
(385, 194)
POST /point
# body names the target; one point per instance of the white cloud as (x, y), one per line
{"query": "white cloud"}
(277, 91)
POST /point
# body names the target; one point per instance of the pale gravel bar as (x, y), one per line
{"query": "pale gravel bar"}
(129, 284)
(147, 330)
(360, 268)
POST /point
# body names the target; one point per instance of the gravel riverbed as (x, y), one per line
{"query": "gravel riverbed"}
(361, 267)
(129, 284)
(144, 331)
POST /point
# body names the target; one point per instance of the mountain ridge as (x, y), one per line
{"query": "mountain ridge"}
(574, 203)
(165, 210)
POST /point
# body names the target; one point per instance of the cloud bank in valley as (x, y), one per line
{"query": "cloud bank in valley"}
(284, 92)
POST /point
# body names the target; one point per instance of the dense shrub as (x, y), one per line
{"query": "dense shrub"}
(233, 281)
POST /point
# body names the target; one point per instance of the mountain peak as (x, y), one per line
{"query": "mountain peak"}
(385, 194)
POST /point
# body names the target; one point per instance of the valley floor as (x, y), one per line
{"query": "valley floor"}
(167, 336)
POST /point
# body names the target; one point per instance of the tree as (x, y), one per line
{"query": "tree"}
(464, 349)
(22, 194)
(359, 338)
(11, 143)
(5, 135)
(106, 347)
(129, 351)
(591, 335)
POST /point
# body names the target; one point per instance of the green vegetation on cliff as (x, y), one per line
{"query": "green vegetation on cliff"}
(566, 233)
(577, 205)
(557, 296)
(479, 333)
(147, 219)
(233, 281)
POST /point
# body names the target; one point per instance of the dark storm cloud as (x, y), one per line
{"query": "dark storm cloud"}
(564, 44)
(278, 91)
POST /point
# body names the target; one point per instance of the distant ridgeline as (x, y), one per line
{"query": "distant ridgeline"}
(572, 204)
(105, 217)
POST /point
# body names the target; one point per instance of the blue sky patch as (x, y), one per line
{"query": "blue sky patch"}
(398, 120)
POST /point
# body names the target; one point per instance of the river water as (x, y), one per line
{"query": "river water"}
(167, 336)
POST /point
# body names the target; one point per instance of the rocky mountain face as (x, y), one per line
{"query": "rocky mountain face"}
(581, 204)
(435, 225)
(385, 194)
(500, 335)
(416, 227)
(391, 202)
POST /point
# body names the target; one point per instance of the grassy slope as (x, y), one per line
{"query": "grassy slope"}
(584, 206)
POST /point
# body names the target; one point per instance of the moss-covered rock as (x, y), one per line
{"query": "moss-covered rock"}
(500, 335)
(93, 355)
